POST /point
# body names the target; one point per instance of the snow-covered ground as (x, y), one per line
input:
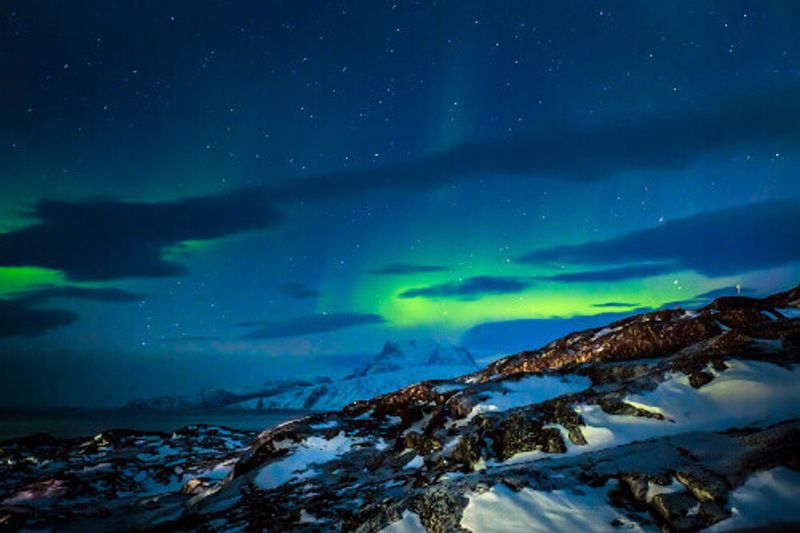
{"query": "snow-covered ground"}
(301, 460)
(747, 393)
(502, 510)
(767, 497)
(527, 391)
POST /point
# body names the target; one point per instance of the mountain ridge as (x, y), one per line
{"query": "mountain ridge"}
(398, 364)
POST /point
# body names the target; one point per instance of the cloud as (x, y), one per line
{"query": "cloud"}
(298, 291)
(106, 239)
(512, 336)
(46, 293)
(187, 338)
(616, 304)
(730, 290)
(19, 315)
(407, 268)
(716, 243)
(308, 325)
(18, 318)
(110, 239)
(707, 297)
(614, 274)
(470, 288)
(646, 141)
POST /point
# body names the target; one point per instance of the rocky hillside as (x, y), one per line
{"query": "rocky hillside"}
(677, 420)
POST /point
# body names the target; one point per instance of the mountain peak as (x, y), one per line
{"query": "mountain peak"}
(401, 355)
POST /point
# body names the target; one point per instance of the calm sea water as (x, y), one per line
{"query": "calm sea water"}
(84, 424)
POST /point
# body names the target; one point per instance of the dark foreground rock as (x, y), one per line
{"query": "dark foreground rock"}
(665, 420)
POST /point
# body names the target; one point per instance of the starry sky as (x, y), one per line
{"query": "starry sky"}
(215, 194)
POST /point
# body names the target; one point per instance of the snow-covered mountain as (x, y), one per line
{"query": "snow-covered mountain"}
(397, 365)
(414, 354)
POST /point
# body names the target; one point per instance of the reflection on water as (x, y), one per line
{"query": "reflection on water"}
(88, 423)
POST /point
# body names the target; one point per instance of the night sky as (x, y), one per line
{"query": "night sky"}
(201, 194)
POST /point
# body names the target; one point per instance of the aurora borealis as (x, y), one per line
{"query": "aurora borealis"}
(216, 194)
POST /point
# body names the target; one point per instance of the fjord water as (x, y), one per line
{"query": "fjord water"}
(87, 423)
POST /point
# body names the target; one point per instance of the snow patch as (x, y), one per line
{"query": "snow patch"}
(448, 387)
(748, 392)
(654, 489)
(722, 326)
(529, 390)
(325, 425)
(767, 497)
(416, 462)
(220, 470)
(605, 331)
(307, 518)
(502, 510)
(771, 316)
(313, 450)
(789, 312)
(409, 523)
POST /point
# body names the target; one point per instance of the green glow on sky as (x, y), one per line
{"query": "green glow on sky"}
(14, 217)
(542, 300)
(15, 279)
(183, 249)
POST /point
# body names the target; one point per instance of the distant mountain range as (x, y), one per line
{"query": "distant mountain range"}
(397, 365)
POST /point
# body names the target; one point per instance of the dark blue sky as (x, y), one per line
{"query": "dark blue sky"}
(215, 194)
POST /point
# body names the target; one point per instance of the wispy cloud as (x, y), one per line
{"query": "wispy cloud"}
(46, 293)
(298, 291)
(20, 319)
(104, 240)
(407, 268)
(707, 297)
(646, 141)
(21, 316)
(307, 325)
(613, 274)
(187, 338)
(716, 243)
(470, 288)
(616, 304)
